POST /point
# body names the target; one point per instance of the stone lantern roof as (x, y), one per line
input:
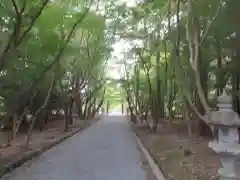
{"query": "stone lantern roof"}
(224, 102)
(225, 116)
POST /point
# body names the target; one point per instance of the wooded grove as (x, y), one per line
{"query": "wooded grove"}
(52, 62)
(184, 55)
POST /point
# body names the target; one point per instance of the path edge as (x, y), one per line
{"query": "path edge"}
(154, 167)
(152, 163)
(36, 153)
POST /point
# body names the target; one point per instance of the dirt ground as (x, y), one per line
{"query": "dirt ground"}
(53, 132)
(179, 156)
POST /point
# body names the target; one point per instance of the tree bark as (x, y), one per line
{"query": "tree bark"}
(28, 138)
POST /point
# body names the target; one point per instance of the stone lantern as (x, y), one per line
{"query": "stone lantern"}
(227, 146)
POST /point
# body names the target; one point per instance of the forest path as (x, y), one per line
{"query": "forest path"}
(105, 151)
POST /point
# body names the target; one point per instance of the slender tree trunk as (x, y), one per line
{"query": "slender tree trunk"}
(236, 73)
(28, 138)
(219, 74)
(204, 129)
(100, 104)
(193, 37)
(108, 106)
(66, 114)
(70, 111)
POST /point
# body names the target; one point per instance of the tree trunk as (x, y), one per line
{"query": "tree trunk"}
(193, 38)
(108, 106)
(46, 101)
(219, 74)
(236, 73)
(203, 128)
(66, 119)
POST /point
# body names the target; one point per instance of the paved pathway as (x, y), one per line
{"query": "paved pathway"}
(105, 151)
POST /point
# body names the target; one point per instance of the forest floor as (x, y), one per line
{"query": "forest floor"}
(179, 156)
(52, 133)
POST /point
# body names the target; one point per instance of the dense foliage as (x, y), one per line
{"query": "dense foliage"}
(185, 54)
(52, 61)
(54, 55)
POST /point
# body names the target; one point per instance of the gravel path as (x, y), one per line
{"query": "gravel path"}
(105, 151)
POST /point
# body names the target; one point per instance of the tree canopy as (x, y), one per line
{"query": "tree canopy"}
(54, 56)
(184, 56)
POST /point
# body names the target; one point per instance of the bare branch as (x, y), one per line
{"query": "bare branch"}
(212, 21)
(14, 40)
(16, 8)
(33, 21)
